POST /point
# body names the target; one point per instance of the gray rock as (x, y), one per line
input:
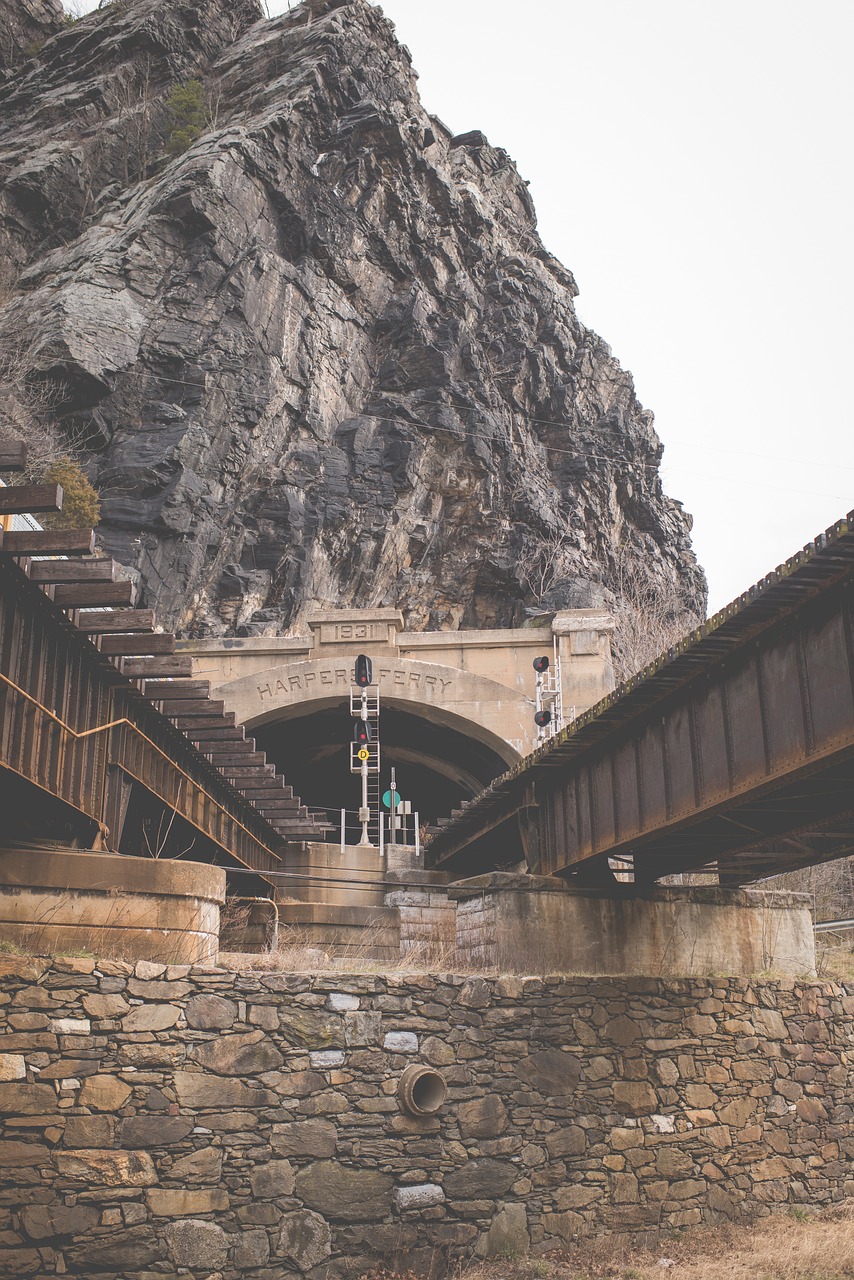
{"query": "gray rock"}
(484, 1117)
(315, 1138)
(210, 1013)
(192, 1242)
(268, 1181)
(305, 1239)
(155, 1131)
(43, 1221)
(551, 1072)
(424, 1195)
(480, 1180)
(271, 373)
(251, 1249)
(245, 1054)
(204, 1165)
(344, 1194)
(508, 1235)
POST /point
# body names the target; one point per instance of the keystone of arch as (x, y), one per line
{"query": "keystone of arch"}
(482, 709)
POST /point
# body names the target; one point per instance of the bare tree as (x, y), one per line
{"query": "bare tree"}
(132, 102)
(550, 563)
(650, 615)
(26, 404)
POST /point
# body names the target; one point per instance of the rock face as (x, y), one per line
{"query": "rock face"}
(24, 27)
(321, 356)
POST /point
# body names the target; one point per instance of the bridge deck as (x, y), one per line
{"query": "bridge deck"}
(733, 752)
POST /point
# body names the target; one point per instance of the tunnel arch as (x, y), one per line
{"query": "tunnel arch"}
(448, 732)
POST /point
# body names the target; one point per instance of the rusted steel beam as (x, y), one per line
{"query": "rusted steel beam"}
(43, 542)
(72, 726)
(24, 499)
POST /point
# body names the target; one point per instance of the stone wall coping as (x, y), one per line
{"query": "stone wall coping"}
(59, 868)
(569, 620)
(216, 646)
(506, 638)
(318, 616)
(32, 969)
(714, 895)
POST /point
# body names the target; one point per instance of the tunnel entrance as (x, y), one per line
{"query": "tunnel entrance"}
(436, 766)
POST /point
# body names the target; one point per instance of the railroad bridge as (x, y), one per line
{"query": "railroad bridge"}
(733, 753)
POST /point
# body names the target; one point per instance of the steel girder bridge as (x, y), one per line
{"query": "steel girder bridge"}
(106, 740)
(732, 753)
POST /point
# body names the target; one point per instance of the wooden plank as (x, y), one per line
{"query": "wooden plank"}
(168, 690)
(269, 795)
(26, 499)
(134, 644)
(43, 542)
(238, 772)
(118, 620)
(86, 595)
(247, 745)
(185, 723)
(144, 668)
(215, 733)
(226, 758)
(193, 707)
(101, 570)
(13, 455)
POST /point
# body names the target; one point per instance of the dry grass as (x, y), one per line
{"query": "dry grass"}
(795, 1246)
(835, 963)
(799, 1245)
(298, 954)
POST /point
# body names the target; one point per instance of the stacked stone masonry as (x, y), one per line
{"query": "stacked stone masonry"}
(166, 1121)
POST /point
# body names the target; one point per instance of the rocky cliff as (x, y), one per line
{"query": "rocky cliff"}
(320, 356)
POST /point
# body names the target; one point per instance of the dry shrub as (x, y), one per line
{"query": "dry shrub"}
(298, 953)
(81, 508)
(28, 402)
(649, 616)
(830, 883)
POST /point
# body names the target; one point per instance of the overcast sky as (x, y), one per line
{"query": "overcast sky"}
(691, 163)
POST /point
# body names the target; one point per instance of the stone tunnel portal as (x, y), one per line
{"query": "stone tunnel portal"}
(456, 708)
(437, 766)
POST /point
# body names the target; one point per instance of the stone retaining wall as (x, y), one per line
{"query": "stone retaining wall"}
(175, 1121)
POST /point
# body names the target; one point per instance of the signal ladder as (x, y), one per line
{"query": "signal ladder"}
(365, 706)
(549, 716)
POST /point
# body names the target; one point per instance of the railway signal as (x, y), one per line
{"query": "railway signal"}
(548, 713)
(363, 671)
(365, 747)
